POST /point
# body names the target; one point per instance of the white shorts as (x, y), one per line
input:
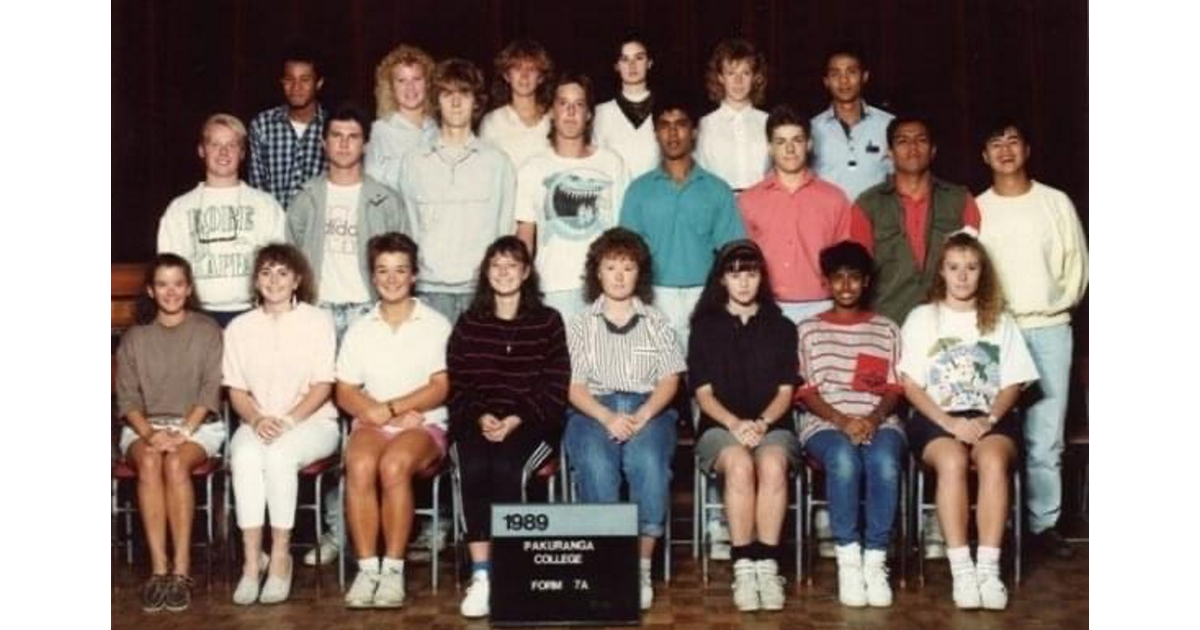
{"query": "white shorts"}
(209, 435)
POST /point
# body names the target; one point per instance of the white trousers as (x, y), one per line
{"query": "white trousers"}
(265, 475)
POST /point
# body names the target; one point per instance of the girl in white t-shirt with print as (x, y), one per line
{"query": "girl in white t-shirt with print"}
(963, 365)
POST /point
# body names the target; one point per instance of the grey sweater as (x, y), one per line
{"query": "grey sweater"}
(379, 210)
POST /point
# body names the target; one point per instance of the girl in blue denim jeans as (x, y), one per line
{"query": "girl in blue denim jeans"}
(625, 366)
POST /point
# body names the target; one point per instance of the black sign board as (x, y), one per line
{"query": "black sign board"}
(564, 564)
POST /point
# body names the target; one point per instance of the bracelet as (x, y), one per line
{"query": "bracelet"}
(992, 419)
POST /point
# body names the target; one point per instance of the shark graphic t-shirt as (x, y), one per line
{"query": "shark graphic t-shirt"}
(571, 200)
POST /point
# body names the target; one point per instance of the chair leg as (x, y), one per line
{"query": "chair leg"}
(799, 509)
(433, 538)
(667, 544)
(702, 485)
(920, 526)
(697, 507)
(1018, 514)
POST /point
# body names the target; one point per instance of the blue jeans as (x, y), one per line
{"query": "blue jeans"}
(846, 465)
(451, 305)
(644, 460)
(1044, 423)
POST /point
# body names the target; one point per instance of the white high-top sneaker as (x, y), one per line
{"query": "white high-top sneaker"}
(745, 585)
(875, 576)
(852, 590)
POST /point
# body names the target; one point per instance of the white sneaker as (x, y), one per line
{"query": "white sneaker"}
(476, 602)
(362, 591)
(935, 543)
(875, 576)
(390, 593)
(770, 584)
(718, 540)
(992, 593)
(966, 587)
(329, 551)
(246, 592)
(852, 589)
(826, 548)
(647, 590)
(745, 585)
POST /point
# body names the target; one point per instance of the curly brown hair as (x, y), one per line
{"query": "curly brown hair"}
(618, 242)
(731, 50)
(989, 296)
(291, 257)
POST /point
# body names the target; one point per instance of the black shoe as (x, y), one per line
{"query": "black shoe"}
(179, 593)
(1051, 543)
(154, 593)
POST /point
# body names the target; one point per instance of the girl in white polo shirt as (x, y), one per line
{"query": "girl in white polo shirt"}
(391, 378)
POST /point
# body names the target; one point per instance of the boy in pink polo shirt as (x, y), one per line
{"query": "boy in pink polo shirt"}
(792, 215)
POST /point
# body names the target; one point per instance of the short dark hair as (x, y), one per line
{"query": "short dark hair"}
(302, 53)
(348, 111)
(671, 100)
(291, 257)
(614, 243)
(847, 255)
(845, 49)
(905, 118)
(146, 308)
(391, 243)
(785, 114)
(484, 301)
(998, 125)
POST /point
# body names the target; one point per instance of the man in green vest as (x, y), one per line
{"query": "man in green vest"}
(904, 220)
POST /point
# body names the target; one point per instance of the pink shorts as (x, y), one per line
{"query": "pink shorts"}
(437, 433)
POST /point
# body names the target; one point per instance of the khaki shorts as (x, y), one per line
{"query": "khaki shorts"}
(716, 439)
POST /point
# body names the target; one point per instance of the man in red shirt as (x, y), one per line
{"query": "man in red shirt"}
(904, 220)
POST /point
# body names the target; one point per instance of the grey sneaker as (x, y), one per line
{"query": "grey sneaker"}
(154, 593)
(179, 593)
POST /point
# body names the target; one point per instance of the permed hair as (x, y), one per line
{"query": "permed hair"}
(402, 55)
(291, 257)
(731, 50)
(618, 242)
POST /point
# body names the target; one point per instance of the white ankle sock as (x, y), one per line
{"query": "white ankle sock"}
(391, 565)
(370, 565)
(959, 557)
(989, 559)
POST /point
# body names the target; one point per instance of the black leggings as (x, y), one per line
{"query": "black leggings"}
(491, 473)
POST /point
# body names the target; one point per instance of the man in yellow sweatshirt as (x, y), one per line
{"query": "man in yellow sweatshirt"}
(1034, 236)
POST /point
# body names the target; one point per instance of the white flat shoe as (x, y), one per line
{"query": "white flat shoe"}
(276, 589)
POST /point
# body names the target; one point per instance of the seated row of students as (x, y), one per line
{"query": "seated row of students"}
(510, 366)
